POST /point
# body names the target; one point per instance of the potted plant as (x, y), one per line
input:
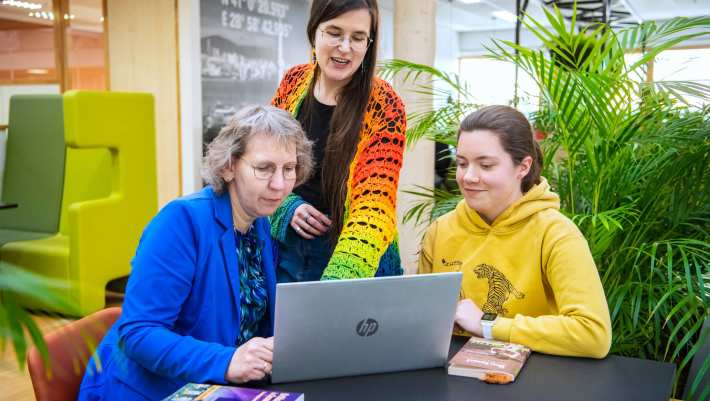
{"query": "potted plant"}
(17, 325)
(630, 161)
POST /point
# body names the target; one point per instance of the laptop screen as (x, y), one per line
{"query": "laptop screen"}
(362, 326)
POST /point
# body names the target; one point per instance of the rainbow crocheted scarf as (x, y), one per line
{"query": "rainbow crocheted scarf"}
(367, 244)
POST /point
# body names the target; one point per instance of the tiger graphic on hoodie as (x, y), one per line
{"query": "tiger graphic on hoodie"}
(499, 289)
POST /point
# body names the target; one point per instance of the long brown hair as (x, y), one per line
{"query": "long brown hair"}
(347, 117)
(515, 135)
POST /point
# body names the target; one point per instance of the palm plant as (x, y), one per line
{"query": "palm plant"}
(17, 326)
(630, 161)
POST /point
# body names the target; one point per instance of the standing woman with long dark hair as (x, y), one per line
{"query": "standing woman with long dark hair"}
(342, 222)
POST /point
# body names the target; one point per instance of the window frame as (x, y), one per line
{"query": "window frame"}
(61, 59)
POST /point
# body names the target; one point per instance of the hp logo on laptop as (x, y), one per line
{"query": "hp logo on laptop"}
(367, 327)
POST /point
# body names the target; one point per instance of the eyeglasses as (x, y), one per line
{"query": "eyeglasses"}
(357, 42)
(266, 171)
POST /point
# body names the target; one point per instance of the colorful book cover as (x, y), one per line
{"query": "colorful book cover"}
(213, 392)
(489, 360)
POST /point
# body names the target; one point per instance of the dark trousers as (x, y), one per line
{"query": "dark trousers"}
(301, 259)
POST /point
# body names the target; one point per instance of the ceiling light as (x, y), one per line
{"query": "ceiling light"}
(22, 4)
(42, 15)
(469, 1)
(505, 15)
(37, 71)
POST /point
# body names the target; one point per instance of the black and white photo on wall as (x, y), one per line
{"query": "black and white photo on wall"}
(246, 46)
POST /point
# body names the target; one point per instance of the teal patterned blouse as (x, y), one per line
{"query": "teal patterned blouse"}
(252, 290)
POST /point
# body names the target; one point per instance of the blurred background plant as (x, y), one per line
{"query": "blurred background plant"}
(629, 158)
(18, 327)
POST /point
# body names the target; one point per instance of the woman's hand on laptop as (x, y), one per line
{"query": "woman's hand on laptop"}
(251, 361)
(468, 316)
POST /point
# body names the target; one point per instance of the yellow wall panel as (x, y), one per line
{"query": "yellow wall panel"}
(143, 56)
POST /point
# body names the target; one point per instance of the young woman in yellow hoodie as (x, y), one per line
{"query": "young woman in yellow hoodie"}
(528, 273)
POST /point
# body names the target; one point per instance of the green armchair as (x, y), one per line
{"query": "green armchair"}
(109, 195)
(34, 168)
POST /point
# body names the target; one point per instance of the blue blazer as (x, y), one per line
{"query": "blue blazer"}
(180, 319)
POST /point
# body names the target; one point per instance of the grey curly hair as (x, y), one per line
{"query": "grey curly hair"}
(231, 143)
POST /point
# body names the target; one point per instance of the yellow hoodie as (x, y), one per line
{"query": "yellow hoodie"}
(532, 267)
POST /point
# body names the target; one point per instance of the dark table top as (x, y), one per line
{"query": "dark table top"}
(544, 377)
(7, 205)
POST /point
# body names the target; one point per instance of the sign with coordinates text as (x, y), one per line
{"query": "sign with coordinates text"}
(246, 46)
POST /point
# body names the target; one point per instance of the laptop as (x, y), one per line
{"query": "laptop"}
(361, 326)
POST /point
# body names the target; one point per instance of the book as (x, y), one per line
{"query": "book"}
(214, 392)
(489, 360)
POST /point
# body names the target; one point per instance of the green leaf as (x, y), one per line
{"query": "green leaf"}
(15, 321)
(630, 162)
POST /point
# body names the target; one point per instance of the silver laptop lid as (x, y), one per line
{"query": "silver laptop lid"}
(361, 326)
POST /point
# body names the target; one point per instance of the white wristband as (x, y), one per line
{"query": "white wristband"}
(488, 330)
(487, 322)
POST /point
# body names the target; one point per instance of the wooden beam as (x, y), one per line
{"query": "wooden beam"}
(60, 56)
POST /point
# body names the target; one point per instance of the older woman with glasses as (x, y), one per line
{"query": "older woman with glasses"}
(342, 222)
(199, 304)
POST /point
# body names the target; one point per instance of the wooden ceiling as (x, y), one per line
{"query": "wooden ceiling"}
(14, 25)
